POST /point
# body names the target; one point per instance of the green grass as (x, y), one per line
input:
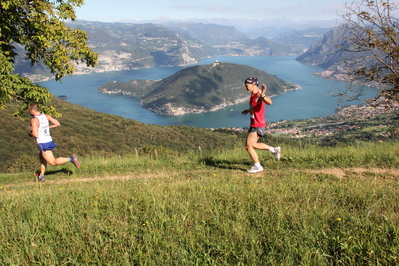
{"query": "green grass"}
(202, 208)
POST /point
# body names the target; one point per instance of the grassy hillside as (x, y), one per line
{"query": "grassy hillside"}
(173, 203)
(317, 206)
(87, 132)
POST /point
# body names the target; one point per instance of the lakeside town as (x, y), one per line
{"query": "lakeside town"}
(324, 126)
(343, 116)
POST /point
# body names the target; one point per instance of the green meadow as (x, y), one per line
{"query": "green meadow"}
(317, 206)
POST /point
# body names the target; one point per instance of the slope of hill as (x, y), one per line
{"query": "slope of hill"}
(318, 206)
(325, 53)
(196, 89)
(85, 132)
(130, 46)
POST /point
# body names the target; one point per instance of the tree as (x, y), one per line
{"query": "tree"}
(373, 38)
(39, 27)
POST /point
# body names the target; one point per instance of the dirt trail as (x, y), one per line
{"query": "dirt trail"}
(346, 172)
(338, 172)
(86, 179)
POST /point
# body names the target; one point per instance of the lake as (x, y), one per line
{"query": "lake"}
(312, 100)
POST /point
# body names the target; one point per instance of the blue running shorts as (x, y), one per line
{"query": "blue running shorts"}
(46, 146)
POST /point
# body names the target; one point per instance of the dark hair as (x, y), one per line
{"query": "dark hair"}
(251, 80)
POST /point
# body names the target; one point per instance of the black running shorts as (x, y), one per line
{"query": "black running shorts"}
(259, 130)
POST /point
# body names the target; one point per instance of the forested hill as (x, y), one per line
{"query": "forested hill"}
(84, 131)
(197, 89)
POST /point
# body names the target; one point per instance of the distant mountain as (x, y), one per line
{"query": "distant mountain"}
(123, 46)
(272, 28)
(253, 28)
(231, 42)
(305, 38)
(210, 34)
(132, 46)
(151, 45)
(325, 53)
(261, 47)
(201, 88)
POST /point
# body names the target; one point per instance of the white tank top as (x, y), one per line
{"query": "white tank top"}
(44, 130)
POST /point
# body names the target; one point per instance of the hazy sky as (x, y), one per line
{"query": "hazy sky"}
(117, 10)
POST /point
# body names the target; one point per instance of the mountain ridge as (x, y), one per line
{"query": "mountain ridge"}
(326, 54)
(123, 46)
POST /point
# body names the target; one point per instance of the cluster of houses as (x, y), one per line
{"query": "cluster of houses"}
(352, 112)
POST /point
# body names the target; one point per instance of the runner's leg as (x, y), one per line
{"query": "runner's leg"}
(49, 157)
(43, 164)
(252, 139)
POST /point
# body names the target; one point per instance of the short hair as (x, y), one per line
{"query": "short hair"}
(34, 107)
(252, 80)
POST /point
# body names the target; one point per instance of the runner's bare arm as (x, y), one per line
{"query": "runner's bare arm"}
(263, 96)
(246, 111)
(54, 122)
(34, 123)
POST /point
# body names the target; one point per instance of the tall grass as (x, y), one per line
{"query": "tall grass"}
(384, 155)
(202, 208)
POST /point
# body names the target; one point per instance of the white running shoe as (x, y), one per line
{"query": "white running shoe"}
(255, 169)
(277, 153)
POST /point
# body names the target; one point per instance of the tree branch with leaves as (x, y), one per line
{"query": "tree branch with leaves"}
(373, 40)
(40, 28)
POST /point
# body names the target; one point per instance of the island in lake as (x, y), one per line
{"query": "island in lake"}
(198, 89)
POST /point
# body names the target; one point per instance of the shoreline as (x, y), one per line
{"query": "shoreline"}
(170, 110)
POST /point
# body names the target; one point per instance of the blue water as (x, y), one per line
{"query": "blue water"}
(310, 101)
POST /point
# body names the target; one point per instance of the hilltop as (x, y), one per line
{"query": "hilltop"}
(197, 89)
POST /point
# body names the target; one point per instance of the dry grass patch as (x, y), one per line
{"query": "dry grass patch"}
(361, 172)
